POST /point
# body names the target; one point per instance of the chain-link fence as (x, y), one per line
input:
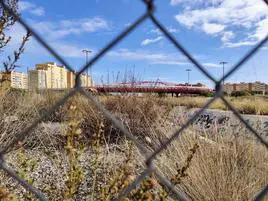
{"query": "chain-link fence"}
(150, 157)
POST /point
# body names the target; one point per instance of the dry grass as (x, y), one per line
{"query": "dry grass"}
(227, 169)
(245, 105)
(226, 166)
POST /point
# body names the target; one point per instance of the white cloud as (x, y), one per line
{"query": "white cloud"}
(150, 41)
(170, 30)
(64, 48)
(64, 28)
(224, 17)
(152, 58)
(38, 11)
(212, 65)
(86, 24)
(68, 49)
(174, 2)
(227, 36)
(155, 31)
(207, 2)
(213, 28)
(167, 62)
(26, 6)
(239, 44)
(54, 33)
(262, 29)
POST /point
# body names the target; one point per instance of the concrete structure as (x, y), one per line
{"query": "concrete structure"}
(255, 87)
(14, 79)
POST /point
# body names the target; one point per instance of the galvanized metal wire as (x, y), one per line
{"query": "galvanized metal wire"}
(148, 156)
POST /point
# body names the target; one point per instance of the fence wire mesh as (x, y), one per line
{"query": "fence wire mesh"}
(149, 157)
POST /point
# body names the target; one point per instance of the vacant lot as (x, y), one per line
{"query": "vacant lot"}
(77, 154)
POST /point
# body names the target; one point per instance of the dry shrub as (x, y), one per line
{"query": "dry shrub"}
(227, 168)
(251, 105)
(17, 111)
(140, 116)
(224, 167)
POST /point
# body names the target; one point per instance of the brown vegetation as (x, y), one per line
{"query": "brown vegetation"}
(76, 154)
(245, 105)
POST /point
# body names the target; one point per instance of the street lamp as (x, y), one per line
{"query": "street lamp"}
(188, 70)
(86, 52)
(223, 63)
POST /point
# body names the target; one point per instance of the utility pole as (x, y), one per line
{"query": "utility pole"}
(87, 52)
(188, 70)
(223, 63)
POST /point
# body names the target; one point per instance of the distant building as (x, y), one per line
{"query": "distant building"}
(52, 76)
(255, 87)
(37, 79)
(56, 76)
(229, 88)
(14, 80)
(86, 81)
(70, 79)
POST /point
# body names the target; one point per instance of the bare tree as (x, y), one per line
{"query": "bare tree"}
(6, 21)
(10, 64)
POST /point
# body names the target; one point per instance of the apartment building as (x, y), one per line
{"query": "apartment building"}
(37, 79)
(229, 88)
(256, 87)
(86, 81)
(70, 79)
(14, 79)
(56, 76)
(52, 76)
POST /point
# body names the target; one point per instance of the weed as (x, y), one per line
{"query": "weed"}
(73, 150)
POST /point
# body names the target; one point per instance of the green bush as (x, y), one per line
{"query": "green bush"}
(207, 94)
(240, 93)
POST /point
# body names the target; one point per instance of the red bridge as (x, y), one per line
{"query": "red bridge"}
(153, 87)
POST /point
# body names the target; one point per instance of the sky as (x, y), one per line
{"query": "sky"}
(212, 30)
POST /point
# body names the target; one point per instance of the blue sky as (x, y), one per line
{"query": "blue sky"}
(212, 30)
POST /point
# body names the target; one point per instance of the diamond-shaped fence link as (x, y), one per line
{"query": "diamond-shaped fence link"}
(148, 156)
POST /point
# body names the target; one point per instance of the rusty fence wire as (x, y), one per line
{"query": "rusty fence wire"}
(149, 157)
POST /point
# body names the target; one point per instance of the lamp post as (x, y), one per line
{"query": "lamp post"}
(188, 70)
(223, 63)
(87, 52)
